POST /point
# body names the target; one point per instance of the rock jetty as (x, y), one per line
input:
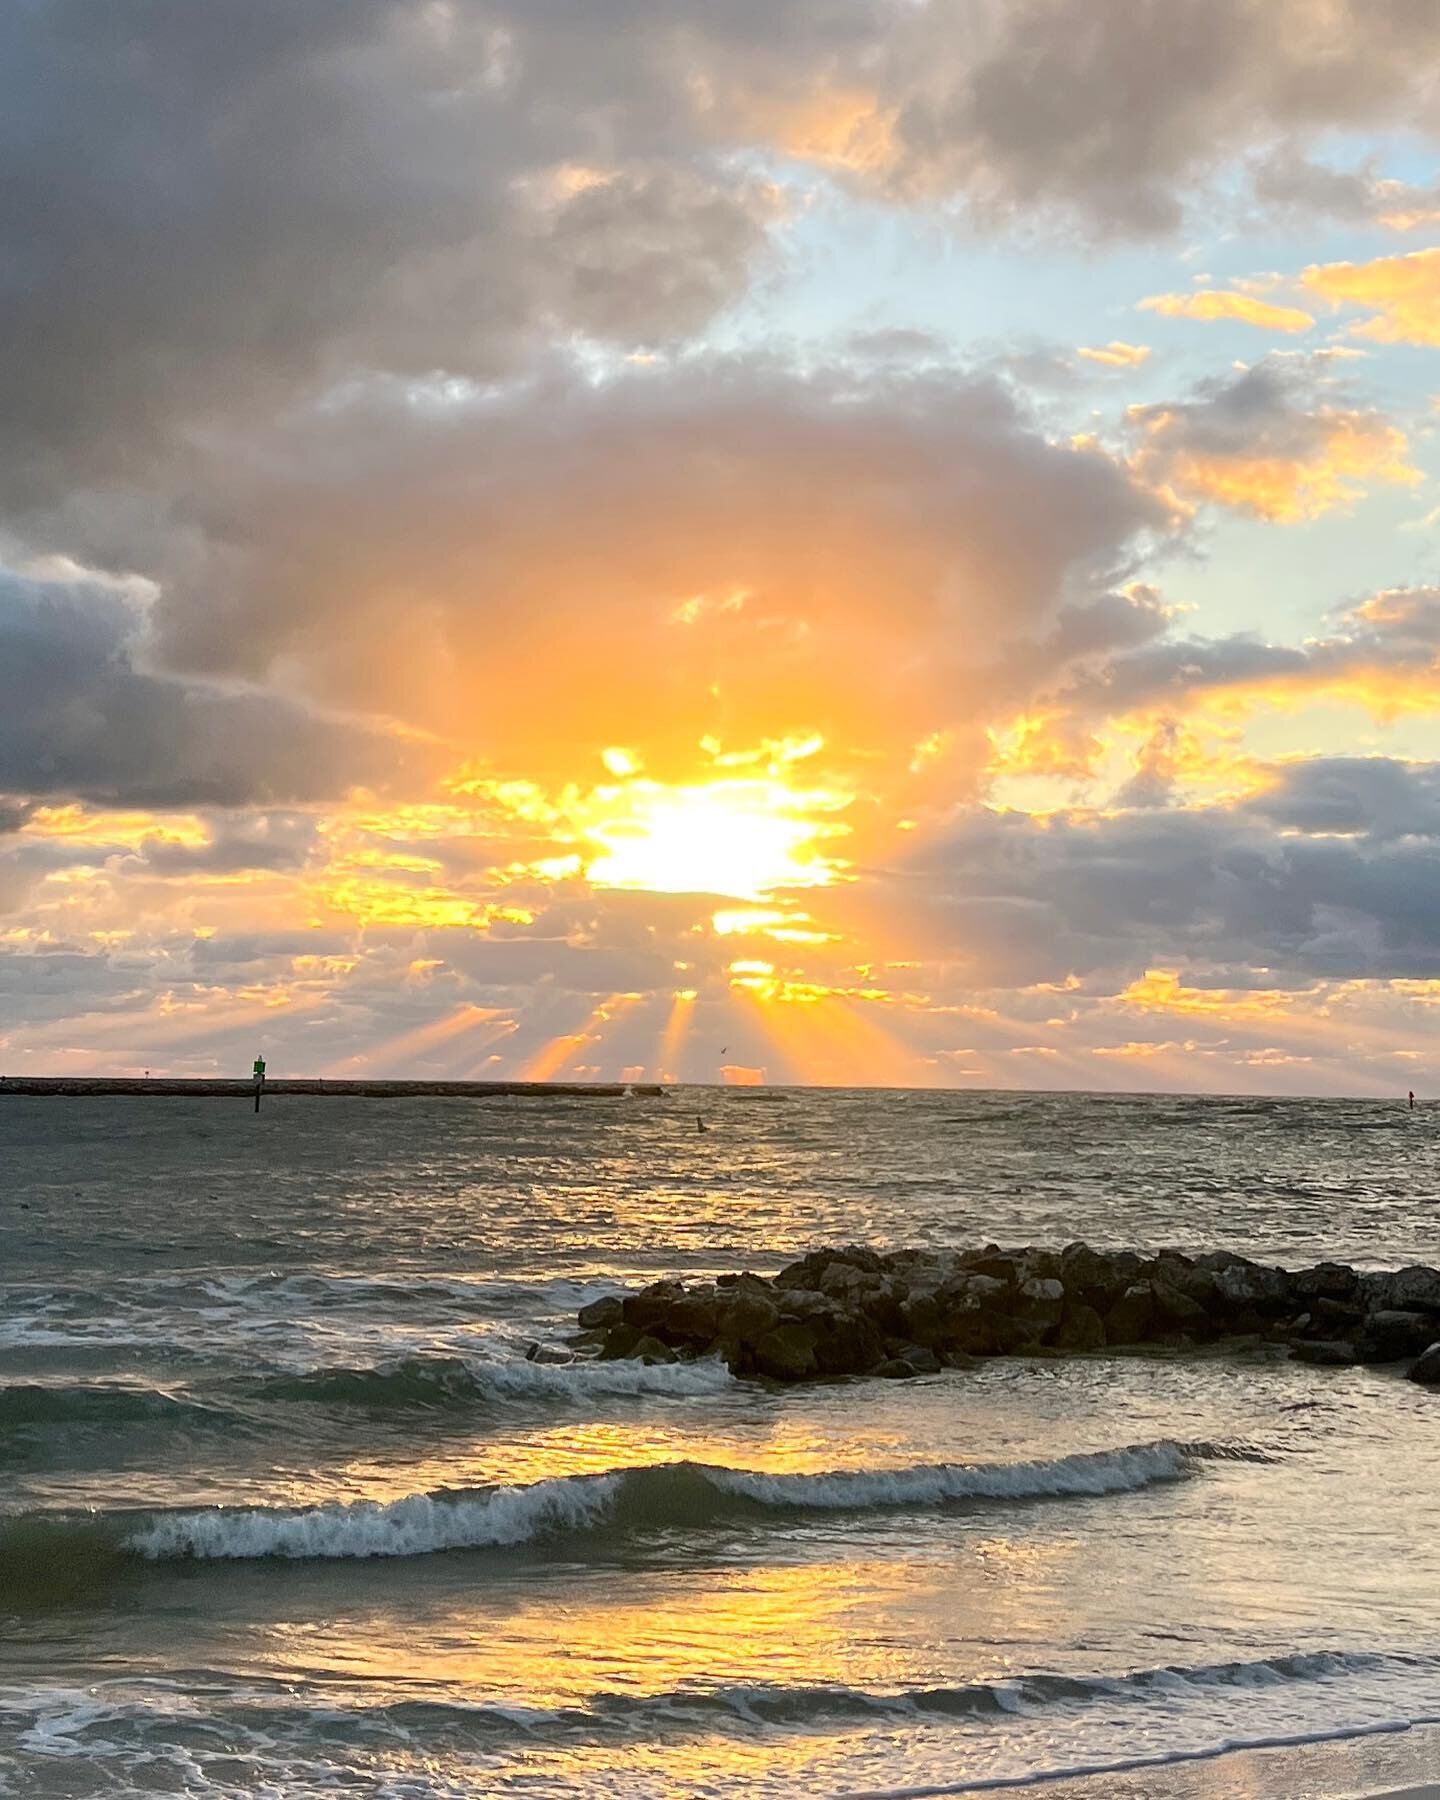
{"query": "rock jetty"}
(855, 1311)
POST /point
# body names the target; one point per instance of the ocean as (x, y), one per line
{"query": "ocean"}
(285, 1511)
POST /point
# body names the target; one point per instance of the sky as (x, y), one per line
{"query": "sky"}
(864, 542)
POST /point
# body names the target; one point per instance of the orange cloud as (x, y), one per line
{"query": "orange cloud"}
(1243, 309)
(1283, 482)
(1403, 293)
(1116, 355)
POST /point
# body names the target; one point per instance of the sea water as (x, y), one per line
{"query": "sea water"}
(285, 1511)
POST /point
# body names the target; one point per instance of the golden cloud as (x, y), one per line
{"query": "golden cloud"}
(1116, 354)
(1403, 293)
(1244, 309)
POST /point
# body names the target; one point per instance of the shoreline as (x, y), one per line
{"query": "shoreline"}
(206, 1088)
(1396, 1762)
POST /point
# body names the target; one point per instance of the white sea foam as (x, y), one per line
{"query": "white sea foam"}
(418, 1525)
(1097, 1472)
(676, 1494)
(515, 1378)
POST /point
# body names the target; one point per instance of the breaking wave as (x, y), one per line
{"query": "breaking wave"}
(45, 1556)
(461, 1380)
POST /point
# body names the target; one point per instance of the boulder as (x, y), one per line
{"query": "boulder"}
(922, 1316)
(849, 1344)
(1081, 1328)
(1251, 1287)
(1095, 1279)
(1426, 1369)
(548, 1353)
(1040, 1302)
(922, 1360)
(650, 1350)
(1325, 1353)
(600, 1314)
(895, 1368)
(1328, 1281)
(787, 1352)
(1394, 1335)
(747, 1317)
(646, 1309)
(695, 1317)
(1129, 1319)
(1415, 1289)
(1175, 1310)
(620, 1340)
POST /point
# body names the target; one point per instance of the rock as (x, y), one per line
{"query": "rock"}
(620, 1340)
(1176, 1311)
(1325, 1353)
(1098, 1280)
(747, 1317)
(646, 1309)
(1426, 1369)
(650, 1350)
(895, 1368)
(1128, 1321)
(1245, 1285)
(971, 1330)
(924, 1361)
(695, 1317)
(1394, 1335)
(849, 1344)
(1080, 1328)
(1327, 1281)
(600, 1314)
(922, 1315)
(787, 1353)
(1415, 1289)
(548, 1353)
(1041, 1302)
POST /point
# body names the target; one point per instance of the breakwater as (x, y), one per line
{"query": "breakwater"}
(855, 1311)
(166, 1087)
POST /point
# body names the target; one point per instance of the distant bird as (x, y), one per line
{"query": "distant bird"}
(724, 1049)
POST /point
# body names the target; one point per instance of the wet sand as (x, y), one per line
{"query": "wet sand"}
(1391, 1765)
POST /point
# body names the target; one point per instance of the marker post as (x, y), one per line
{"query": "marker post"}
(259, 1073)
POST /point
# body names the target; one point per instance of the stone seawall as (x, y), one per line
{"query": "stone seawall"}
(854, 1311)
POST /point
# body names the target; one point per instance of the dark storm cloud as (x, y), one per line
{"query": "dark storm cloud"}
(1016, 900)
(79, 719)
(1371, 796)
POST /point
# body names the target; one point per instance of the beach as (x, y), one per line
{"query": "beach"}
(308, 1488)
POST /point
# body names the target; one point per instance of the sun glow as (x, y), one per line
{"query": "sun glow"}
(741, 838)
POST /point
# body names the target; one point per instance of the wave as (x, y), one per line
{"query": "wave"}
(462, 1380)
(271, 1712)
(665, 1496)
(33, 1403)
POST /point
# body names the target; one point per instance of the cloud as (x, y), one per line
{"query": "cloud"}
(1271, 441)
(1123, 113)
(1208, 303)
(79, 717)
(1117, 355)
(720, 547)
(1018, 901)
(1402, 292)
(1353, 796)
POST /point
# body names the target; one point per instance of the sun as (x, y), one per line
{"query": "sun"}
(743, 838)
